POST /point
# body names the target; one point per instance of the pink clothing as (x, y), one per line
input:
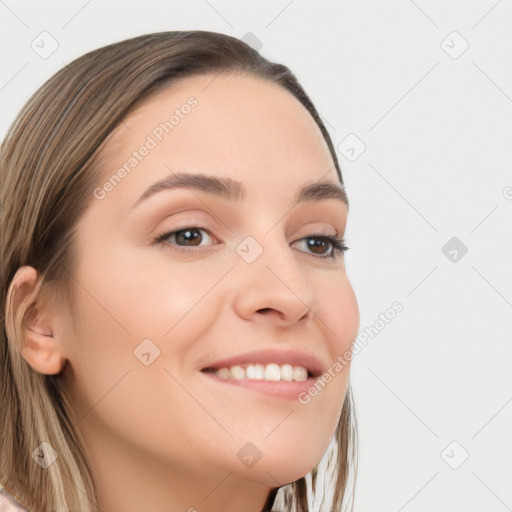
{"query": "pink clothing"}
(8, 503)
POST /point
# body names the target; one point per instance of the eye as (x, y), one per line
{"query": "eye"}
(188, 237)
(318, 243)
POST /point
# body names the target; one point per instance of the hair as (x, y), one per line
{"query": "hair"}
(50, 161)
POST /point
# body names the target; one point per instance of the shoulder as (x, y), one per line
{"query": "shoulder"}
(8, 503)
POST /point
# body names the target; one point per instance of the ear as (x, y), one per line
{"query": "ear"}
(38, 345)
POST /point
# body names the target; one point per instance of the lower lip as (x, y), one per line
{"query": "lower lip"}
(279, 388)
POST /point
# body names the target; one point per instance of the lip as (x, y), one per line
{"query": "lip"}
(267, 356)
(278, 389)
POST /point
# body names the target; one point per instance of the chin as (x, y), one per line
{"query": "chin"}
(275, 473)
(285, 463)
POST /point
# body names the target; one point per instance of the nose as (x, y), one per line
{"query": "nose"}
(274, 287)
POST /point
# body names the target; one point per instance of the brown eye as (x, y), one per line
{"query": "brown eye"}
(317, 245)
(182, 239)
(188, 237)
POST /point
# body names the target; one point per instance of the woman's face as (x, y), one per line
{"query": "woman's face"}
(239, 284)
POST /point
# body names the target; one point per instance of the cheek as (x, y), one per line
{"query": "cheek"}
(113, 390)
(124, 299)
(143, 296)
(339, 320)
(338, 312)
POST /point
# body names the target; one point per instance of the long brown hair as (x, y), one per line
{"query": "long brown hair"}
(50, 161)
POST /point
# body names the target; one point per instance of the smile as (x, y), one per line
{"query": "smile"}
(268, 372)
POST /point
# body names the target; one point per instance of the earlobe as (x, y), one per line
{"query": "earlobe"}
(37, 344)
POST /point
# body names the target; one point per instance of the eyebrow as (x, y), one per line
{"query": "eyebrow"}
(233, 190)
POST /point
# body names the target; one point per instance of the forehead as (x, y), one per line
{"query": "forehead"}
(237, 110)
(238, 126)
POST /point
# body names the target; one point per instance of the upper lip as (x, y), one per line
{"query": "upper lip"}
(293, 357)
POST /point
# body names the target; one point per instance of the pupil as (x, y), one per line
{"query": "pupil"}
(188, 236)
(315, 243)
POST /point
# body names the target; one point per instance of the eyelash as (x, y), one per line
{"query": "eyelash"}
(338, 244)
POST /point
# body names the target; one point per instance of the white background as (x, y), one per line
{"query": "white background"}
(437, 164)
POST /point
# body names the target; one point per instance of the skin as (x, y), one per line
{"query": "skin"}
(163, 437)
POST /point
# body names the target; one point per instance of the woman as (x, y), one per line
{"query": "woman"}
(178, 320)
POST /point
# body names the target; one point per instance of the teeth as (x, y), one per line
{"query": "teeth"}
(287, 372)
(224, 373)
(255, 371)
(271, 372)
(237, 372)
(300, 373)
